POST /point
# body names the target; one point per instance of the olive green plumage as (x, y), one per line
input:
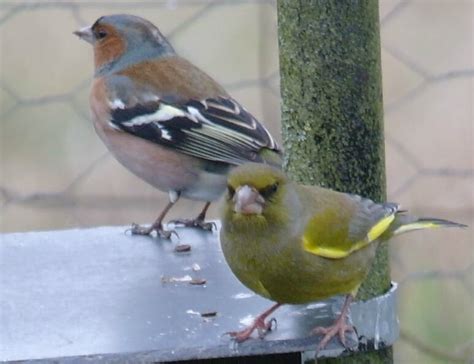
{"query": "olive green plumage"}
(296, 244)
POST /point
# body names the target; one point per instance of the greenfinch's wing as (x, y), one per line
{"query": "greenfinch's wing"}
(345, 223)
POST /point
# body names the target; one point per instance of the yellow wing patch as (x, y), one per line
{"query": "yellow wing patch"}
(324, 240)
(379, 228)
(332, 253)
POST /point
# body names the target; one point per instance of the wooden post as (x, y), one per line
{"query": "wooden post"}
(332, 113)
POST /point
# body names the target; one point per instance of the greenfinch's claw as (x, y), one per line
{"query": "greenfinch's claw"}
(259, 324)
(271, 324)
(262, 332)
(240, 336)
(339, 328)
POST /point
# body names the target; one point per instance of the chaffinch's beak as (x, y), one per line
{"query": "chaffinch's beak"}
(248, 201)
(85, 34)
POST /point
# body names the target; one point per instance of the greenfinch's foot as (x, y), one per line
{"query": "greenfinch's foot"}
(160, 231)
(259, 324)
(340, 327)
(195, 223)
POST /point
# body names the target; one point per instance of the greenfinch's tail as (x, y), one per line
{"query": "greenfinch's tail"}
(405, 223)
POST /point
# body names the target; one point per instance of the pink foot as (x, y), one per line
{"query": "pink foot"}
(259, 324)
(340, 327)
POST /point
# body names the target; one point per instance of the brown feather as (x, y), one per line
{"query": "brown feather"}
(173, 76)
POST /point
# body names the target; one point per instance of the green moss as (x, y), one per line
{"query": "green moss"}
(332, 112)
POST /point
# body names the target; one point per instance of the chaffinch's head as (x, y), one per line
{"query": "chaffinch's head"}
(121, 40)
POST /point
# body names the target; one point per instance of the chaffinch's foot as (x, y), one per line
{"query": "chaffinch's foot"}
(160, 231)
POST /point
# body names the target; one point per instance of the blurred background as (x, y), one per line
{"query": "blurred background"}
(56, 174)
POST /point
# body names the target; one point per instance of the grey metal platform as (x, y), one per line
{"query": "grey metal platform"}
(99, 295)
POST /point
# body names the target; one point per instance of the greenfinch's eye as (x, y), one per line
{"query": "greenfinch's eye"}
(230, 191)
(269, 191)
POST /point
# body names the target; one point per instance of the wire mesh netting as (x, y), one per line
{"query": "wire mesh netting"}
(55, 173)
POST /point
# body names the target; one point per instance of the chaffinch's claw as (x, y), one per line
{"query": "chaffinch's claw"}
(195, 223)
(160, 231)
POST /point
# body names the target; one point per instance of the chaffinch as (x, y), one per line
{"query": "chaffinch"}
(165, 120)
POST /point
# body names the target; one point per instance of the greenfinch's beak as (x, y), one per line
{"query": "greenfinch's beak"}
(248, 201)
(85, 34)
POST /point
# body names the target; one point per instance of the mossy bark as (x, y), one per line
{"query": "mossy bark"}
(332, 112)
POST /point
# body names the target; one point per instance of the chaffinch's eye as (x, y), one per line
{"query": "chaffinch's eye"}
(230, 191)
(101, 34)
(267, 192)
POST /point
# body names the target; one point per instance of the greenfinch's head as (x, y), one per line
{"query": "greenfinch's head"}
(255, 189)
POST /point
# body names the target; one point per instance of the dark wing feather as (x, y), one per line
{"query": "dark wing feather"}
(216, 129)
(367, 215)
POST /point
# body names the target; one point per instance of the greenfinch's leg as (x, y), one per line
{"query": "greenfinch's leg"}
(198, 222)
(259, 324)
(339, 327)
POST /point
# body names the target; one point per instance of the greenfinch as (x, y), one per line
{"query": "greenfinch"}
(296, 244)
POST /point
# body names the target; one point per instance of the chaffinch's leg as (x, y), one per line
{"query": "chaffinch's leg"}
(339, 327)
(158, 224)
(198, 222)
(259, 324)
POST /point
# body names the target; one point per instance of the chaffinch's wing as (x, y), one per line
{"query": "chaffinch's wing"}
(172, 103)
